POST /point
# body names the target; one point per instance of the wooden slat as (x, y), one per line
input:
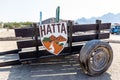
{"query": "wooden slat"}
(29, 32)
(10, 63)
(24, 32)
(88, 27)
(24, 55)
(31, 43)
(27, 43)
(104, 36)
(105, 26)
(10, 52)
(84, 27)
(89, 37)
(32, 54)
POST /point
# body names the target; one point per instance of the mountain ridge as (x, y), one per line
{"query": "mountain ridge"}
(109, 17)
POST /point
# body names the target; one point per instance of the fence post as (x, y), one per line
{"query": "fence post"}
(98, 22)
(36, 39)
(58, 14)
(70, 24)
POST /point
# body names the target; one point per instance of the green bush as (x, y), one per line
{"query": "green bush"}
(13, 25)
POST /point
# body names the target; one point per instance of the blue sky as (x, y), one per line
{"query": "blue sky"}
(28, 10)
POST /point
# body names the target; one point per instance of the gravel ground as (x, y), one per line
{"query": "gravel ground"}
(66, 68)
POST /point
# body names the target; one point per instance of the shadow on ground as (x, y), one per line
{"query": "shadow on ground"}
(67, 68)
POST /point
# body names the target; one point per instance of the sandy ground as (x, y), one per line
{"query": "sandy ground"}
(61, 69)
(7, 33)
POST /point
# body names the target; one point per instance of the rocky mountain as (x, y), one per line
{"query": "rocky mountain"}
(109, 17)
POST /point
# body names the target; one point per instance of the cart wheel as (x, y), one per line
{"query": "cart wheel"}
(95, 57)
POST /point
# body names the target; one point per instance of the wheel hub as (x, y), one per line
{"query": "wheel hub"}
(99, 59)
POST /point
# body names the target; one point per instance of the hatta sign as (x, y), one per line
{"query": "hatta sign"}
(53, 36)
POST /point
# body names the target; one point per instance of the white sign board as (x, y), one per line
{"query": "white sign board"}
(53, 36)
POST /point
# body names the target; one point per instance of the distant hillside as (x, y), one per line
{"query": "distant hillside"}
(109, 17)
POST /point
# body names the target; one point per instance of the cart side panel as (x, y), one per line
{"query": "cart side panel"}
(80, 33)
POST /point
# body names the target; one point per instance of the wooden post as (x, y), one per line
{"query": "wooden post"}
(36, 39)
(98, 22)
(58, 14)
(70, 24)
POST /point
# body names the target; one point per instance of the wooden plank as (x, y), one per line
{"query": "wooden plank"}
(29, 32)
(89, 37)
(88, 27)
(31, 43)
(24, 55)
(10, 52)
(25, 32)
(10, 63)
(28, 43)
(105, 26)
(84, 27)
(42, 53)
(104, 35)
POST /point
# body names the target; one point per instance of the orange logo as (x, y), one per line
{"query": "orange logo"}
(54, 37)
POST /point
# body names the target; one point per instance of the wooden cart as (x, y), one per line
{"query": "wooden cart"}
(87, 40)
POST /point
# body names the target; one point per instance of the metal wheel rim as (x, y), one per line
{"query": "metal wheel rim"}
(99, 58)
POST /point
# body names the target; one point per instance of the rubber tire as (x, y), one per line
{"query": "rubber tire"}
(86, 51)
